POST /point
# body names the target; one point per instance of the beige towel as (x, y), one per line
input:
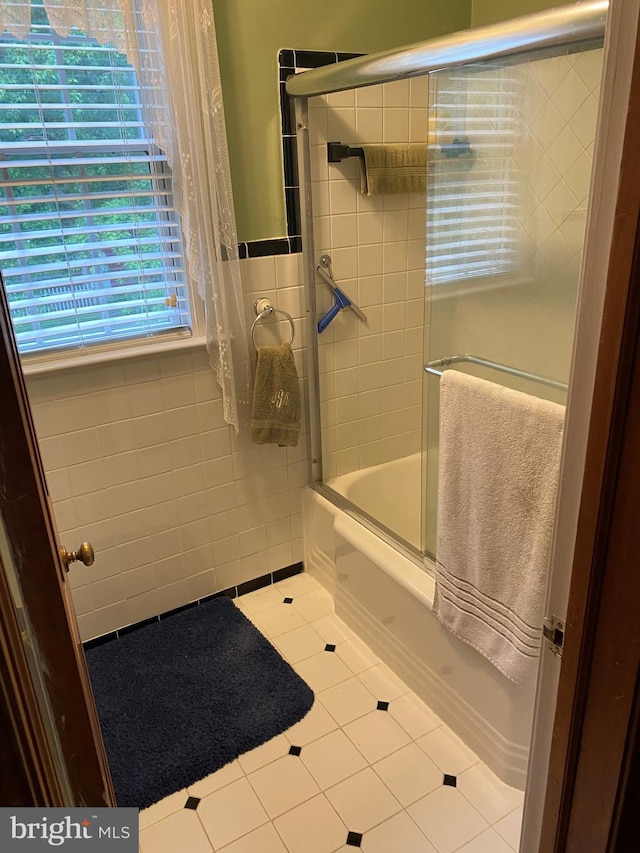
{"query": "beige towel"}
(275, 417)
(498, 476)
(393, 169)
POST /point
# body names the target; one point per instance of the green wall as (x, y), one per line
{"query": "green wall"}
(489, 11)
(251, 32)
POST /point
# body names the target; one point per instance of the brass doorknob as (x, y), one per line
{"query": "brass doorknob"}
(84, 554)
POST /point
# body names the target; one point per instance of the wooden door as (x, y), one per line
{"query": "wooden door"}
(50, 736)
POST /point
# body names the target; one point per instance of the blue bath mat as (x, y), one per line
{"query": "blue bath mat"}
(184, 696)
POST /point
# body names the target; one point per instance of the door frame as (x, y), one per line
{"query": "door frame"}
(593, 737)
(587, 783)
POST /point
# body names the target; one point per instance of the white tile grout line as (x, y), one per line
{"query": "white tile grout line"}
(309, 589)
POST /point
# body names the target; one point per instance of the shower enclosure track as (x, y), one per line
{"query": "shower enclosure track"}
(577, 22)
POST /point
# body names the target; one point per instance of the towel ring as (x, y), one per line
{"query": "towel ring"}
(263, 308)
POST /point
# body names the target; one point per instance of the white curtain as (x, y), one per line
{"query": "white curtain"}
(172, 45)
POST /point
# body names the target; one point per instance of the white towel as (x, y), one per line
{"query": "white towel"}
(498, 476)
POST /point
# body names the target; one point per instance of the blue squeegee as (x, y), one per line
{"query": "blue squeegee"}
(342, 301)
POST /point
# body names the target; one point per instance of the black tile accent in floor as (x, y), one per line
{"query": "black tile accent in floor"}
(192, 803)
(382, 706)
(330, 647)
(295, 750)
(450, 780)
(287, 600)
(354, 839)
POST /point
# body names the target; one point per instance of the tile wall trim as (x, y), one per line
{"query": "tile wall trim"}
(289, 61)
(232, 592)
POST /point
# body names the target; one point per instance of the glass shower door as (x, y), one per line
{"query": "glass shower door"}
(505, 227)
(370, 371)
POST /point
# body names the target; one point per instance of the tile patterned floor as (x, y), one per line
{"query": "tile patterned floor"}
(369, 767)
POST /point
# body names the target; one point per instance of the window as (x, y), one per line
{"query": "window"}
(474, 202)
(90, 244)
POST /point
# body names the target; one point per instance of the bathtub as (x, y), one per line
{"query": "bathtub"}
(389, 492)
(386, 598)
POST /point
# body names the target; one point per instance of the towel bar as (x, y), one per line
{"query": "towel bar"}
(449, 360)
(264, 308)
(337, 152)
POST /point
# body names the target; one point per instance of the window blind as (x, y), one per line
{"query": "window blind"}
(474, 204)
(90, 243)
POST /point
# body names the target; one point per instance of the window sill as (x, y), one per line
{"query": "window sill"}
(107, 356)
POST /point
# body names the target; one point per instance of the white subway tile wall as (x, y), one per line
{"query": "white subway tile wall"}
(140, 462)
(370, 375)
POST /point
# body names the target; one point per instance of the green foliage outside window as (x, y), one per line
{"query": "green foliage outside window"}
(88, 237)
